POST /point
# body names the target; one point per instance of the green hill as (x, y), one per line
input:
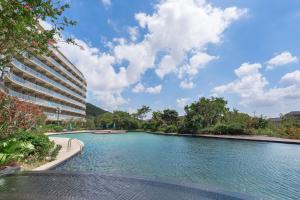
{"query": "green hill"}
(92, 110)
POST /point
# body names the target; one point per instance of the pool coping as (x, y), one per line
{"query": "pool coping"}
(234, 137)
(64, 154)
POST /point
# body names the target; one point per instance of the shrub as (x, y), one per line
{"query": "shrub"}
(16, 114)
(25, 147)
(293, 133)
(229, 129)
(55, 151)
(42, 144)
(170, 129)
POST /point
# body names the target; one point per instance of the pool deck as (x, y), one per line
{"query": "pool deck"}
(65, 153)
(237, 137)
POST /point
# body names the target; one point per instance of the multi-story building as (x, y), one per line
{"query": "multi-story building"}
(51, 82)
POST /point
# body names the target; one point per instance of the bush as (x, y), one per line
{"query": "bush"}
(55, 151)
(170, 129)
(42, 144)
(25, 147)
(293, 133)
(16, 114)
(230, 129)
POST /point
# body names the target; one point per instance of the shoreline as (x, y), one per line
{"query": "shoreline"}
(65, 153)
(253, 138)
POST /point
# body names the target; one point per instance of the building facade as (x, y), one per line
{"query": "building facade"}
(51, 82)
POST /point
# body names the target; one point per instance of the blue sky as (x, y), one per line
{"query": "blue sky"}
(166, 53)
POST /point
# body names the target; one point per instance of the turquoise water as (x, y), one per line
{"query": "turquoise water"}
(268, 170)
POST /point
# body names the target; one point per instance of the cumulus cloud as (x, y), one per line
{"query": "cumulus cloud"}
(281, 59)
(138, 88)
(291, 78)
(154, 90)
(250, 86)
(187, 84)
(166, 66)
(181, 103)
(179, 30)
(182, 28)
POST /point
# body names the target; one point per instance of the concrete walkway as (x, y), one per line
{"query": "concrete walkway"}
(65, 152)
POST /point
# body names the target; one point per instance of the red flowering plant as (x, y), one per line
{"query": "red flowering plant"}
(17, 115)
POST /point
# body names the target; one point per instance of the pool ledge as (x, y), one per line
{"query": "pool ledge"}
(237, 137)
(65, 152)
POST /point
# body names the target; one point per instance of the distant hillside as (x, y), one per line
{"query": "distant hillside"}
(92, 110)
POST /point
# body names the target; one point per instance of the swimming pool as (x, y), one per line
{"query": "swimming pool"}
(269, 170)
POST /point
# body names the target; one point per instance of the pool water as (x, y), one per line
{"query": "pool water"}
(267, 170)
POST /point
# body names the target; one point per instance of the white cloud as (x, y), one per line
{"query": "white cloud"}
(181, 103)
(250, 86)
(134, 33)
(106, 3)
(138, 88)
(281, 59)
(166, 66)
(187, 84)
(154, 90)
(196, 62)
(103, 81)
(250, 83)
(180, 30)
(291, 78)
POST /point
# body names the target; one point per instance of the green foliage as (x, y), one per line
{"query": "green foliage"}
(21, 30)
(117, 120)
(205, 112)
(290, 122)
(237, 117)
(90, 123)
(258, 123)
(170, 129)
(141, 113)
(230, 129)
(93, 111)
(16, 114)
(54, 152)
(25, 147)
(170, 117)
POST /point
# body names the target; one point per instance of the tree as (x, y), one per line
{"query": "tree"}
(104, 121)
(205, 112)
(170, 116)
(237, 117)
(20, 28)
(141, 113)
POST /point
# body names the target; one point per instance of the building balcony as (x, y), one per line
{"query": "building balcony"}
(44, 103)
(59, 66)
(67, 62)
(54, 117)
(42, 90)
(39, 63)
(45, 79)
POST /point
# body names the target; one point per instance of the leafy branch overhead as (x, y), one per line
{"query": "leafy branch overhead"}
(20, 28)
